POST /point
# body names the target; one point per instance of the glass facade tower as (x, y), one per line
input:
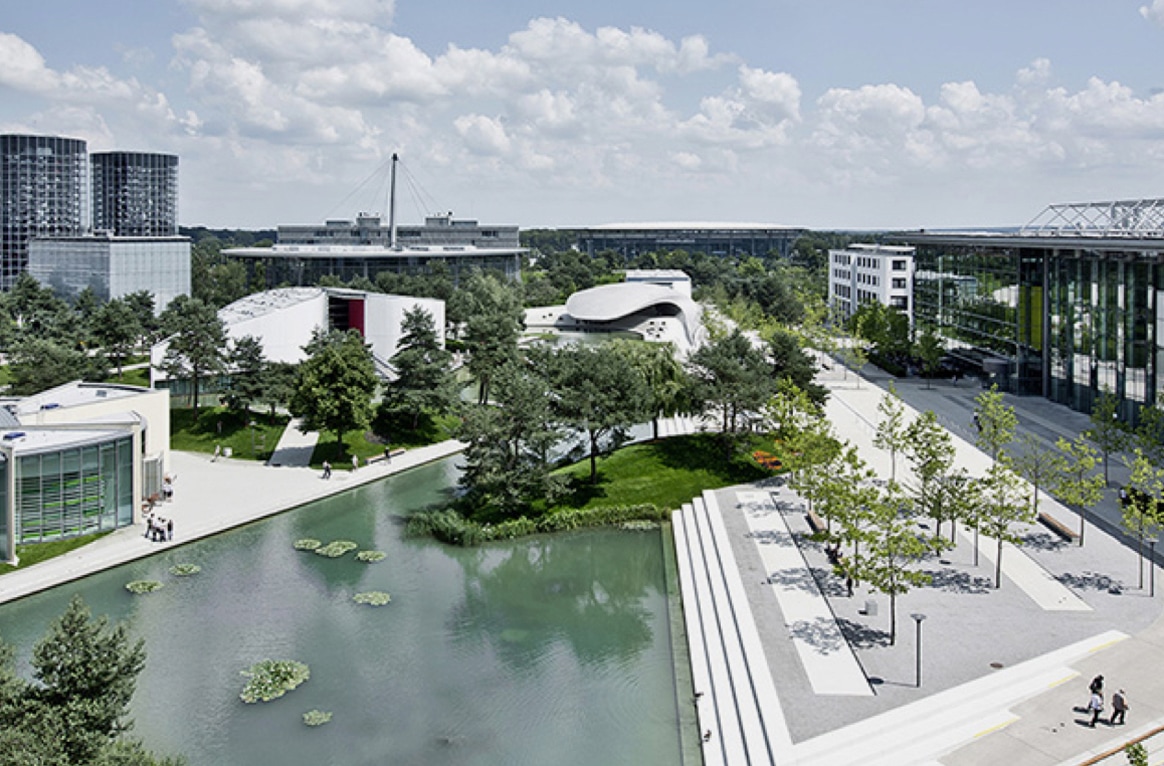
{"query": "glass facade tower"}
(42, 194)
(135, 194)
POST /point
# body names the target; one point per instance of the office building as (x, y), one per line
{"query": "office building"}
(135, 194)
(113, 266)
(863, 273)
(1067, 307)
(42, 194)
(365, 247)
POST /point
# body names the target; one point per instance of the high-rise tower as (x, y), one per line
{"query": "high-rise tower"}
(135, 194)
(42, 194)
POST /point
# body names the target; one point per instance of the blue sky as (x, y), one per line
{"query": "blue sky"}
(845, 114)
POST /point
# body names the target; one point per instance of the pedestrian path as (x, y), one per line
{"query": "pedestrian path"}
(1035, 581)
(825, 654)
(295, 447)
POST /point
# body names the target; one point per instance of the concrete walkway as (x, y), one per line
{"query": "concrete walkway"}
(295, 447)
(211, 496)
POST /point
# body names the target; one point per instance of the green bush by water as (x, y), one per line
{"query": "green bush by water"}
(451, 527)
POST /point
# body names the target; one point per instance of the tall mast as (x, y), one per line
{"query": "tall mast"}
(392, 203)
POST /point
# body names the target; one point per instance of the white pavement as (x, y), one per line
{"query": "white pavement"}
(211, 496)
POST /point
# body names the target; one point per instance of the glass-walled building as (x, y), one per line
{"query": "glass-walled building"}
(135, 194)
(42, 194)
(1066, 308)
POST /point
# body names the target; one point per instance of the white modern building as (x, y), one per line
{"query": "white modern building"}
(79, 458)
(862, 273)
(112, 266)
(284, 319)
(653, 305)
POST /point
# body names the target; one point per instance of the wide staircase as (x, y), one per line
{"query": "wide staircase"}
(740, 718)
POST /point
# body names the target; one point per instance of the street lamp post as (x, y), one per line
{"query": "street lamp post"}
(917, 618)
(1152, 567)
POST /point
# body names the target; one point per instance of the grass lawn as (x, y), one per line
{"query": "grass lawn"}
(218, 426)
(139, 377)
(34, 554)
(667, 472)
(366, 445)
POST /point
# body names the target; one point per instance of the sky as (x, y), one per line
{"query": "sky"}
(826, 114)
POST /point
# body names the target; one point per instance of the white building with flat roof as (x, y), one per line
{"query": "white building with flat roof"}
(862, 273)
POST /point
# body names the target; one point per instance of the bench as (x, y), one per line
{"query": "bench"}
(815, 521)
(1058, 527)
(391, 454)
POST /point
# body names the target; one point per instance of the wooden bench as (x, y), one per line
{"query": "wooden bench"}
(1058, 527)
(816, 522)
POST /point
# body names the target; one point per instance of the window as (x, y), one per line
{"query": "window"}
(899, 265)
(898, 283)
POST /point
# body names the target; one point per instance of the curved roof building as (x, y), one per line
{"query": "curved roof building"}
(647, 309)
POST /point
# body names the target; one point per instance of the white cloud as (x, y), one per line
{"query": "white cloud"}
(1154, 12)
(483, 135)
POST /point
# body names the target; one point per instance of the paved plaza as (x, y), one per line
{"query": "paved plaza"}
(1004, 672)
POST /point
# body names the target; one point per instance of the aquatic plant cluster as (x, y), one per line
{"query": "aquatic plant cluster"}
(271, 679)
(307, 544)
(336, 548)
(185, 570)
(372, 598)
(451, 527)
(370, 557)
(316, 717)
(143, 586)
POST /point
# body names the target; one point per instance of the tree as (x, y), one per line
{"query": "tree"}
(36, 365)
(892, 552)
(996, 422)
(84, 675)
(1075, 483)
(596, 393)
(1142, 514)
(279, 385)
(424, 380)
(510, 441)
(144, 309)
(1002, 506)
(667, 383)
(1149, 433)
(335, 385)
(1106, 431)
(116, 329)
(928, 347)
(1038, 464)
(930, 452)
(732, 378)
(891, 429)
(248, 373)
(789, 361)
(492, 328)
(197, 342)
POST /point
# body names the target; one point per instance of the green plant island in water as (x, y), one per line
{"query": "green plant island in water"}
(271, 679)
(372, 598)
(139, 587)
(316, 717)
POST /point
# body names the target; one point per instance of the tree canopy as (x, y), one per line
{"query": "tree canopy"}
(335, 385)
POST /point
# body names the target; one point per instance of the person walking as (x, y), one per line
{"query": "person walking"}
(169, 529)
(355, 462)
(1119, 708)
(326, 470)
(1096, 707)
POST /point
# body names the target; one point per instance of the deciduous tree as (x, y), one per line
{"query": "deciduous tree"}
(336, 383)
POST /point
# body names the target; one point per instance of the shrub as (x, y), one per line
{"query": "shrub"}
(271, 679)
(372, 598)
(307, 544)
(316, 717)
(185, 570)
(450, 527)
(371, 556)
(143, 586)
(336, 548)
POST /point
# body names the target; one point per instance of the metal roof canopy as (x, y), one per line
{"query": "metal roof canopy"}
(1126, 218)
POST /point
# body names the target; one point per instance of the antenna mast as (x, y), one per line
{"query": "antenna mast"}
(392, 203)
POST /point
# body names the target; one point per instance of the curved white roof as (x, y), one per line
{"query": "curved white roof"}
(607, 303)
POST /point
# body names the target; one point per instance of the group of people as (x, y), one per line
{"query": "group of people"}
(158, 529)
(1119, 703)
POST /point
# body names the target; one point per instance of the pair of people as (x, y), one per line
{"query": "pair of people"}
(1119, 703)
(158, 529)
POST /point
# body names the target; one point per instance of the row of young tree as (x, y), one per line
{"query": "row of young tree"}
(879, 520)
